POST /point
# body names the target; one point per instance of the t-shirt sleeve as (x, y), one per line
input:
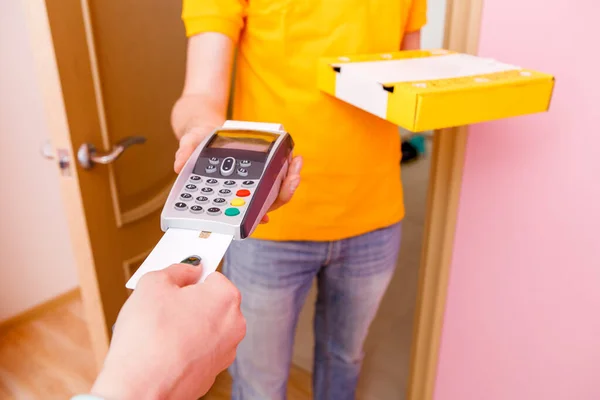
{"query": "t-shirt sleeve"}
(222, 16)
(417, 17)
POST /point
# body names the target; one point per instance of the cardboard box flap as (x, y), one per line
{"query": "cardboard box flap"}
(452, 65)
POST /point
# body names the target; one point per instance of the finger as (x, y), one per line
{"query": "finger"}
(265, 219)
(217, 279)
(182, 275)
(227, 359)
(224, 287)
(296, 165)
(288, 188)
(150, 280)
(289, 185)
(182, 155)
(242, 326)
(187, 145)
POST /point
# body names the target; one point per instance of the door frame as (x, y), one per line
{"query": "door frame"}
(461, 33)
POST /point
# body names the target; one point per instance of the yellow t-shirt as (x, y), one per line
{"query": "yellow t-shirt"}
(350, 180)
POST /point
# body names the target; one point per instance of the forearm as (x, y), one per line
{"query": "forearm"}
(205, 96)
(411, 41)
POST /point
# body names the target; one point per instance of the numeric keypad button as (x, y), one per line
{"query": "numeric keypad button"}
(212, 182)
(196, 209)
(219, 201)
(195, 179)
(214, 211)
(190, 187)
(224, 192)
(229, 184)
(185, 196)
(207, 191)
(201, 199)
(180, 206)
(248, 184)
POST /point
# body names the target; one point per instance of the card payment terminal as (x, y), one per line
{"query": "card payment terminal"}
(231, 180)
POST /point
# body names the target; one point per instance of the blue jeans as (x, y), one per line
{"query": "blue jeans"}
(274, 279)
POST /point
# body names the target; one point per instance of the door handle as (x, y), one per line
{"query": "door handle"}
(88, 155)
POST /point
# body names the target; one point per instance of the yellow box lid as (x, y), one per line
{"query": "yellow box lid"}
(423, 90)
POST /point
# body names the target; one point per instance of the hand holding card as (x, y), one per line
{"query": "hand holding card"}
(173, 336)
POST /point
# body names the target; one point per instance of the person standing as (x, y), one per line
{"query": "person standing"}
(342, 224)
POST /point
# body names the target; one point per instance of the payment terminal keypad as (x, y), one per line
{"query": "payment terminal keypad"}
(220, 199)
(220, 187)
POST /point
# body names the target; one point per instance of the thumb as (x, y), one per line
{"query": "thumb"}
(187, 145)
(182, 275)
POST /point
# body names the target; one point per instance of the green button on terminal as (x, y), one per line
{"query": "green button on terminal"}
(232, 212)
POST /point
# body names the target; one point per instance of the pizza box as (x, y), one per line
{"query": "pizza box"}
(423, 90)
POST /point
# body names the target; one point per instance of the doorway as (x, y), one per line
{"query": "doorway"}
(426, 247)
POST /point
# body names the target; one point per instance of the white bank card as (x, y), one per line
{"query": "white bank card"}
(178, 244)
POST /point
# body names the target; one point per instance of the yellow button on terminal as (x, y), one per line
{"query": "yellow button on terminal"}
(237, 202)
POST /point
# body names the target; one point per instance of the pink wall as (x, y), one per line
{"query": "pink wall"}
(523, 312)
(36, 257)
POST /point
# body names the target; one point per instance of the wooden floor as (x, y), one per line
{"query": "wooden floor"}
(299, 386)
(50, 358)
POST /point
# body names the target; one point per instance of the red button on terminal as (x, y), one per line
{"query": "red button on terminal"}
(243, 193)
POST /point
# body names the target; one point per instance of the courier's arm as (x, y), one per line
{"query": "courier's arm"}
(411, 41)
(207, 81)
(213, 28)
(417, 18)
